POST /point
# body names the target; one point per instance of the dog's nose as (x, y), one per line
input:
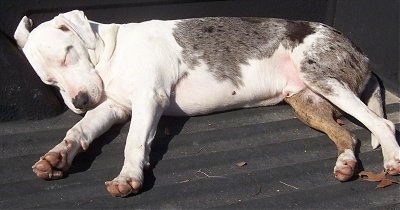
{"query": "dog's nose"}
(81, 101)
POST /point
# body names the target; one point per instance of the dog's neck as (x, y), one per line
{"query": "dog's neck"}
(105, 44)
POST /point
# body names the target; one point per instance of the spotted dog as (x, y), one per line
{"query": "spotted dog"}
(199, 66)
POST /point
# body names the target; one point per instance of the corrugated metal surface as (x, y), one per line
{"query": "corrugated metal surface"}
(194, 165)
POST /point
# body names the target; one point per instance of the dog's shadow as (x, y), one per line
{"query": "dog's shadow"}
(84, 160)
(168, 127)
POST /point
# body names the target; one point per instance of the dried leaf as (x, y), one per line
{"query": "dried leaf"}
(241, 163)
(371, 176)
(381, 178)
(385, 183)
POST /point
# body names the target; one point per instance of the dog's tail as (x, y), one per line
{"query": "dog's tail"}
(372, 95)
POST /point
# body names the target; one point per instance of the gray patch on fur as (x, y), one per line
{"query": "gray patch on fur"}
(297, 31)
(334, 57)
(225, 43)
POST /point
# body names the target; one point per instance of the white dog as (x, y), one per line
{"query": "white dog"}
(198, 66)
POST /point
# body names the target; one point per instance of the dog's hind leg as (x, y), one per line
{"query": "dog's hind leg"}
(335, 69)
(345, 99)
(319, 114)
(373, 97)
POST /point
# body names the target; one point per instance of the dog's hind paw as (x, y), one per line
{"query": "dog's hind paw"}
(51, 165)
(123, 186)
(392, 165)
(345, 165)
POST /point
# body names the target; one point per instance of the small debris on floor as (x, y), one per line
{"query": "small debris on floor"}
(241, 163)
(378, 177)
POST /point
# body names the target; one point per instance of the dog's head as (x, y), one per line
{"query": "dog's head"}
(58, 50)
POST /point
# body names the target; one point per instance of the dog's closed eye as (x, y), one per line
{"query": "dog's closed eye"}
(66, 59)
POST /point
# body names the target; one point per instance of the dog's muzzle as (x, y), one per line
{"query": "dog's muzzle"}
(81, 101)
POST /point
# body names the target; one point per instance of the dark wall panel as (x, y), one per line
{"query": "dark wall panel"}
(139, 10)
(374, 26)
(22, 94)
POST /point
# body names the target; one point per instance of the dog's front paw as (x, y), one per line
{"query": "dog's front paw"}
(123, 186)
(392, 164)
(51, 165)
(345, 165)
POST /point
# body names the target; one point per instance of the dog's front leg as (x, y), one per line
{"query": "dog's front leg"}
(54, 163)
(147, 109)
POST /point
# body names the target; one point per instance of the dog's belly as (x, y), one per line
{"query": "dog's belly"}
(262, 83)
(191, 99)
(213, 97)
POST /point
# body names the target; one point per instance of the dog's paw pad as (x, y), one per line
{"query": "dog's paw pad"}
(345, 171)
(123, 186)
(345, 166)
(392, 166)
(51, 165)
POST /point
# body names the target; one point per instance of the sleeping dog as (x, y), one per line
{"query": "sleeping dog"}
(198, 66)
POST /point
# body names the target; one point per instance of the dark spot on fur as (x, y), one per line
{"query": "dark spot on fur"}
(352, 58)
(352, 65)
(297, 31)
(310, 100)
(311, 61)
(233, 93)
(209, 29)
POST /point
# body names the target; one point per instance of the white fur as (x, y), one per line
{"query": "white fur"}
(347, 155)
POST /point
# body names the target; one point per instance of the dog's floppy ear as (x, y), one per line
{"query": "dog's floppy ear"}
(77, 22)
(22, 32)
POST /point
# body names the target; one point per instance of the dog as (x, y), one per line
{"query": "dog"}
(198, 66)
